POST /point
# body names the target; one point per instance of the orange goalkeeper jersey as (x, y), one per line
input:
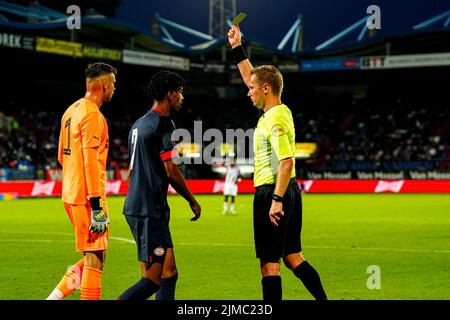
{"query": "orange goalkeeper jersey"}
(82, 126)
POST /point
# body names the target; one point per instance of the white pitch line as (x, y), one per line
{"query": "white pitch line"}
(220, 244)
(35, 240)
(319, 247)
(41, 233)
(213, 244)
(65, 241)
(123, 239)
(62, 234)
(382, 249)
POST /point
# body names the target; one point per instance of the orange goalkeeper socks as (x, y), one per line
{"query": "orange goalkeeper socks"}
(69, 283)
(91, 284)
(72, 279)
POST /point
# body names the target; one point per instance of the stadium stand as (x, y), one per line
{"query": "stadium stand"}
(360, 119)
(411, 139)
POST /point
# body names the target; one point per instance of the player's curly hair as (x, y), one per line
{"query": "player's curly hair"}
(98, 69)
(163, 83)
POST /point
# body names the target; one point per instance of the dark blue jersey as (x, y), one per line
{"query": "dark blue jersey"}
(149, 145)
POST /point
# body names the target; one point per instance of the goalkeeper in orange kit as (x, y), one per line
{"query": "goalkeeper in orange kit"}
(83, 150)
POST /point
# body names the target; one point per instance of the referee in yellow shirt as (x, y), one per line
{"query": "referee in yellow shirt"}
(277, 205)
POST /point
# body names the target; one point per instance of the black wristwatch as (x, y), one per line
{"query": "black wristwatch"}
(277, 198)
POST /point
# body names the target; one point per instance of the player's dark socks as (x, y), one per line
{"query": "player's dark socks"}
(271, 288)
(142, 290)
(167, 289)
(311, 280)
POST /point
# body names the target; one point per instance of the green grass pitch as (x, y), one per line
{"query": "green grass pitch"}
(406, 236)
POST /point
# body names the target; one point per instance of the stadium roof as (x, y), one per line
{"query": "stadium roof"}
(430, 34)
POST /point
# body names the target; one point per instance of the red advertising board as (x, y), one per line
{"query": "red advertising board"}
(119, 187)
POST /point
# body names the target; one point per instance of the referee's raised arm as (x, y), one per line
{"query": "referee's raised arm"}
(244, 65)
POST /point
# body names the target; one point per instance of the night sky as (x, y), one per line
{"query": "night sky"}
(269, 20)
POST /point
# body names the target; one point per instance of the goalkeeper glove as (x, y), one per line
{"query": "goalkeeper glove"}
(99, 219)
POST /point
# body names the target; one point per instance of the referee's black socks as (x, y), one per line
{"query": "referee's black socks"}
(311, 280)
(271, 286)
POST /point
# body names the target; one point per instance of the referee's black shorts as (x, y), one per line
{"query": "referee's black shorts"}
(152, 236)
(271, 242)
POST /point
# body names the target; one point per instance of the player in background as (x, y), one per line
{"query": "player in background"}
(277, 205)
(151, 153)
(230, 189)
(83, 150)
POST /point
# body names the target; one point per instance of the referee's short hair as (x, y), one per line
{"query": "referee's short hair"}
(164, 82)
(98, 69)
(270, 75)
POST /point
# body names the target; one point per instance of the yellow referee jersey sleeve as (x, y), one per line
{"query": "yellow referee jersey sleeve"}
(281, 132)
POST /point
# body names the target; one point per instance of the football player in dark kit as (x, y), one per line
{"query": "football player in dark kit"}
(151, 152)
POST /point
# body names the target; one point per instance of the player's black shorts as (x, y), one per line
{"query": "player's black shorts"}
(271, 242)
(152, 236)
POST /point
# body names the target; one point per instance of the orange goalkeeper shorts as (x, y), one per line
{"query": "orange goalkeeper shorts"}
(80, 216)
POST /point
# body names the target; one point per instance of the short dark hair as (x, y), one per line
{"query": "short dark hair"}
(98, 69)
(164, 82)
(271, 75)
